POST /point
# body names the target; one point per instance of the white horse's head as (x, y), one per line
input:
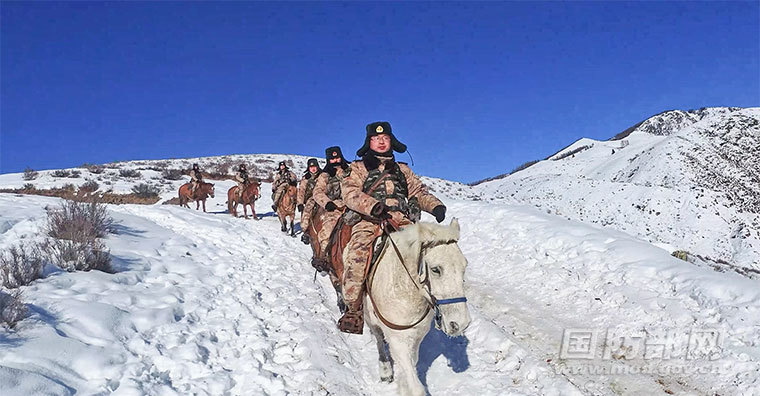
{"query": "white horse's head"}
(442, 265)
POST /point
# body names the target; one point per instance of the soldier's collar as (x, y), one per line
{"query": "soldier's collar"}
(372, 162)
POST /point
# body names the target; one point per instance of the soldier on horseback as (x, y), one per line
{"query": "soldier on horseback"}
(196, 178)
(241, 177)
(378, 189)
(282, 179)
(327, 194)
(305, 191)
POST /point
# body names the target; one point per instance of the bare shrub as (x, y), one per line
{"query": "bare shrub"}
(89, 186)
(96, 169)
(75, 174)
(29, 186)
(144, 190)
(68, 187)
(78, 256)
(12, 308)
(172, 174)
(130, 173)
(79, 221)
(20, 265)
(61, 173)
(222, 168)
(30, 174)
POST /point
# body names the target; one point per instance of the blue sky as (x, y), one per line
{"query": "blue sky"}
(474, 89)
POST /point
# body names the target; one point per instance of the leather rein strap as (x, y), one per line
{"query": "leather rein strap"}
(431, 301)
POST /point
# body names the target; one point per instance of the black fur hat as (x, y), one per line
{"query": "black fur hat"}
(379, 128)
(334, 152)
(282, 163)
(309, 163)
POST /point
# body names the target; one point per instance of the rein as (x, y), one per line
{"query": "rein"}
(432, 302)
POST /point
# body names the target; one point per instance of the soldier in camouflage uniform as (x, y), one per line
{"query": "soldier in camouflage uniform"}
(241, 177)
(304, 197)
(280, 184)
(327, 194)
(377, 188)
(196, 178)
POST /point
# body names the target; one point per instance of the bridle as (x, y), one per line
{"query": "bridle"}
(432, 302)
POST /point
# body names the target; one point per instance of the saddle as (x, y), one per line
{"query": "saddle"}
(353, 320)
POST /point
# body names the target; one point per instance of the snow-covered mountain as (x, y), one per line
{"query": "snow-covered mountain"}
(687, 180)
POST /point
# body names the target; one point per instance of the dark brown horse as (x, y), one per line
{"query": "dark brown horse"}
(287, 208)
(249, 196)
(204, 191)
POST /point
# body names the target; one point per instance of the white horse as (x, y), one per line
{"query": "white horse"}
(404, 296)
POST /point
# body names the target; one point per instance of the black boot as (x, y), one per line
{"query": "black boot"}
(305, 239)
(352, 321)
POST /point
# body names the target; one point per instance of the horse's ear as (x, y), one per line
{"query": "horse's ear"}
(455, 225)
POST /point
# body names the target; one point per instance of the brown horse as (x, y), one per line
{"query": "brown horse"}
(287, 208)
(249, 196)
(204, 191)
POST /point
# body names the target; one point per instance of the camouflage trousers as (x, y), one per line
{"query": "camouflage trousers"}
(355, 262)
(308, 211)
(241, 187)
(194, 187)
(278, 193)
(329, 219)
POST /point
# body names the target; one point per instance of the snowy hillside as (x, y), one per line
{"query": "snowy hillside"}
(210, 304)
(262, 166)
(685, 180)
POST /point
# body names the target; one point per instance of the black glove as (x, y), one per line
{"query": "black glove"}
(380, 211)
(330, 206)
(300, 208)
(293, 183)
(439, 212)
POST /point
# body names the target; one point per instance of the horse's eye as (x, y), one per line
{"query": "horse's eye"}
(436, 270)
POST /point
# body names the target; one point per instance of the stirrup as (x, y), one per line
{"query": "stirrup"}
(352, 321)
(305, 239)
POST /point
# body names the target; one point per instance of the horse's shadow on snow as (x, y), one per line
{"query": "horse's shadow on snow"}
(437, 343)
(121, 229)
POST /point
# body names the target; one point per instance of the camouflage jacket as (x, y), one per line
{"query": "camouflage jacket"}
(328, 188)
(196, 175)
(306, 187)
(283, 178)
(361, 190)
(241, 177)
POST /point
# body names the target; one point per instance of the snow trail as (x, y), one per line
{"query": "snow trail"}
(208, 304)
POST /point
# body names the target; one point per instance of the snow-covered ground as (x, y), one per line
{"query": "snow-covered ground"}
(210, 304)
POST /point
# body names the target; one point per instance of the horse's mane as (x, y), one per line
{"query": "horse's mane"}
(428, 234)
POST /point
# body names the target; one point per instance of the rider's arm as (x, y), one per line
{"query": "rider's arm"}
(301, 191)
(351, 190)
(320, 190)
(417, 189)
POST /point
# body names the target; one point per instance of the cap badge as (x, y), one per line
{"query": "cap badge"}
(379, 129)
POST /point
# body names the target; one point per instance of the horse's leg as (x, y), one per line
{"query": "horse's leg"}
(292, 228)
(386, 365)
(245, 210)
(405, 351)
(253, 211)
(204, 206)
(284, 223)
